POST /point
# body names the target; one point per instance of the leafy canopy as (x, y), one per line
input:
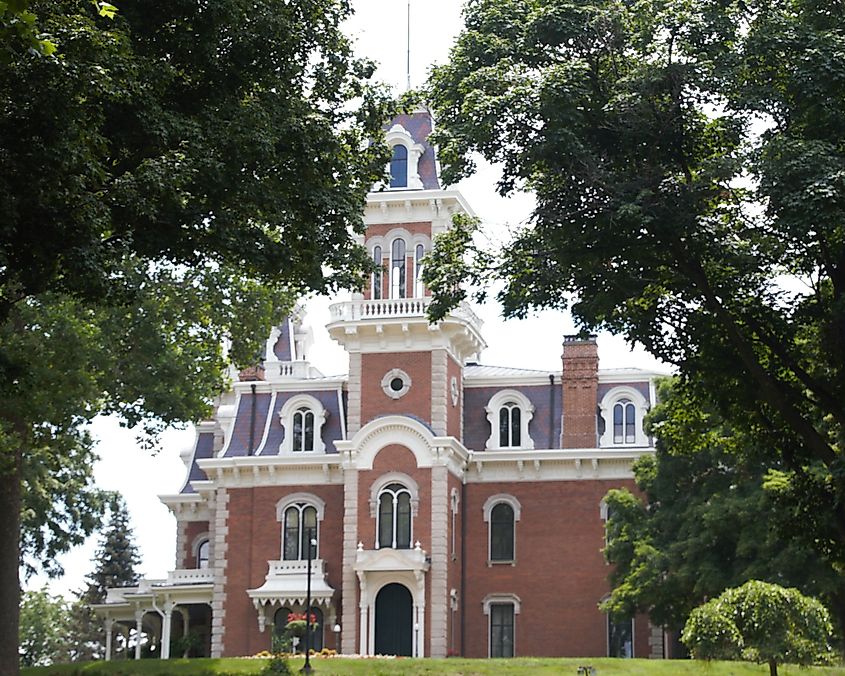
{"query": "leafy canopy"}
(688, 161)
(760, 622)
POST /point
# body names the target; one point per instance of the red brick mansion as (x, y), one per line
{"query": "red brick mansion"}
(450, 507)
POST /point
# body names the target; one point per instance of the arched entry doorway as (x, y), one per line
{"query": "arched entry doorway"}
(394, 620)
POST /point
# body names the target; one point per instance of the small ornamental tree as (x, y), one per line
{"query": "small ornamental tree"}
(763, 623)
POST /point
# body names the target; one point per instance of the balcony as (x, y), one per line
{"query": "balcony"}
(190, 576)
(286, 583)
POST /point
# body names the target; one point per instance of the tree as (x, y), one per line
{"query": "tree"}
(43, 629)
(702, 521)
(115, 562)
(171, 179)
(763, 623)
(687, 160)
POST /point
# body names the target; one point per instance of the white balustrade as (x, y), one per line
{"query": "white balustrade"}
(390, 308)
(190, 576)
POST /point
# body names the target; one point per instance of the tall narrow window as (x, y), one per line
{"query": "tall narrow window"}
(303, 429)
(510, 429)
(300, 526)
(419, 252)
(399, 167)
(397, 269)
(501, 630)
(377, 275)
(624, 422)
(394, 515)
(501, 533)
(203, 554)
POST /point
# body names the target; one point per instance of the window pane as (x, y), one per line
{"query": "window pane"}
(504, 427)
(297, 431)
(309, 530)
(403, 521)
(399, 167)
(309, 432)
(516, 426)
(202, 554)
(385, 525)
(501, 630)
(618, 414)
(291, 551)
(501, 533)
(397, 265)
(376, 290)
(630, 424)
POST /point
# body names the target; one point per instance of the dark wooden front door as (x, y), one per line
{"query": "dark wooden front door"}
(394, 621)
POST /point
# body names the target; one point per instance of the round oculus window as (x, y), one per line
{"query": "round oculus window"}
(396, 383)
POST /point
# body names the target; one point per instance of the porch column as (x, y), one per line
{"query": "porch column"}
(362, 650)
(108, 638)
(166, 626)
(419, 631)
(139, 618)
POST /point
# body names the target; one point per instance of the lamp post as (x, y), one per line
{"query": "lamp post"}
(307, 668)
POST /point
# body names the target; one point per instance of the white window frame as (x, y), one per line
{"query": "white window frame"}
(195, 549)
(613, 397)
(487, 511)
(378, 488)
(300, 501)
(496, 599)
(497, 401)
(290, 407)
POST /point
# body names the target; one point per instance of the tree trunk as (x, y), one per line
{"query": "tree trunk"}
(10, 591)
(773, 668)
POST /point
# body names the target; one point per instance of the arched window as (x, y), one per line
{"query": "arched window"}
(303, 430)
(397, 269)
(203, 553)
(509, 412)
(510, 425)
(501, 532)
(624, 422)
(376, 288)
(394, 517)
(399, 167)
(302, 417)
(300, 527)
(622, 410)
(419, 252)
(501, 512)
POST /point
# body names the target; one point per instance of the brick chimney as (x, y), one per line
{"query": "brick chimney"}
(580, 387)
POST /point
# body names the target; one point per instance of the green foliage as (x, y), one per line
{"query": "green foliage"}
(763, 623)
(687, 161)
(44, 627)
(705, 519)
(277, 665)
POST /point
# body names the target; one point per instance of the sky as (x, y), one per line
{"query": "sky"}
(379, 28)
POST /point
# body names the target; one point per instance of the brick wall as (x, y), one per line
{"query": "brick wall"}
(254, 538)
(559, 575)
(416, 402)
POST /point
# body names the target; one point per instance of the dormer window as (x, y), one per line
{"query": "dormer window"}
(622, 410)
(399, 167)
(302, 418)
(509, 412)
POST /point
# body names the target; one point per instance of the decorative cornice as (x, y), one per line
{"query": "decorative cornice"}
(246, 471)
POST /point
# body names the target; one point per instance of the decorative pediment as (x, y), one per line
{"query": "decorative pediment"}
(391, 560)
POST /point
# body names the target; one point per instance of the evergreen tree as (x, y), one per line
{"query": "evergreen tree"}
(115, 562)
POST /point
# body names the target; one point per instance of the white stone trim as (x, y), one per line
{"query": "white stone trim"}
(181, 543)
(349, 582)
(388, 377)
(286, 416)
(195, 545)
(398, 135)
(219, 532)
(294, 498)
(526, 414)
(606, 408)
(439, 394)
(490, 599)
(494, 500)
(439, 613)
(353, 399)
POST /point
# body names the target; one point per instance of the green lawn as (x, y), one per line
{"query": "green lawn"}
(455, 666)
